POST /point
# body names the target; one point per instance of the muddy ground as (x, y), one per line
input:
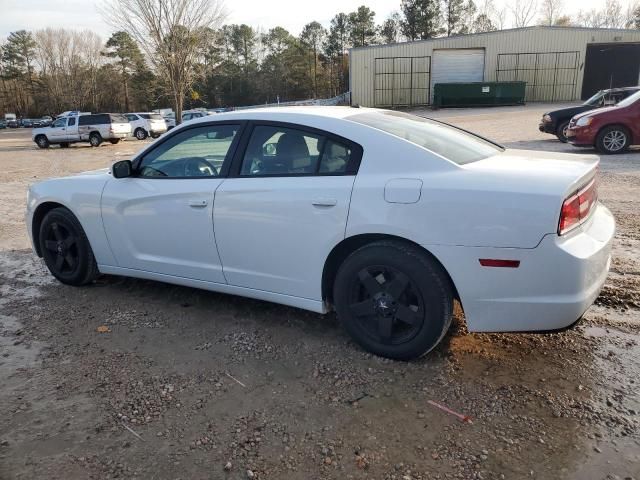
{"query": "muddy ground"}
(191, 384)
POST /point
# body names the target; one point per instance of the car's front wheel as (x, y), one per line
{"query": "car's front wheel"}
(393, 299)
(613, 139)
(42, 141)
(66, 249)
(561, 132)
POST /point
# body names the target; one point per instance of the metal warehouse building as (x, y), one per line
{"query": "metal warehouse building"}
(557, 63)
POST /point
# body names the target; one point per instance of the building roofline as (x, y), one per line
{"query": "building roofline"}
(495, 32)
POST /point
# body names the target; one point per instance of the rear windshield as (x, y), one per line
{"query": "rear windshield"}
(449, 142)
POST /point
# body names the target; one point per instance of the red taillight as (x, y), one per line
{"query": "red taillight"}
(577, 207)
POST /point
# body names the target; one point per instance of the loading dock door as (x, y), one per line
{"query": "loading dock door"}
(457, 65)
(609, 65)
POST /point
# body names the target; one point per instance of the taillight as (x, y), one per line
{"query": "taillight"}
(577, 208)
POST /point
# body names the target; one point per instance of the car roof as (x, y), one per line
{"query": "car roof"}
(621, 89)
(286, 113)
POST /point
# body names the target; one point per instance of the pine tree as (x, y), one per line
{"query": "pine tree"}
(125, 51)
(362, 26)
(422, 19)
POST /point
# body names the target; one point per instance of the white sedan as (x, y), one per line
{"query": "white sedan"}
(383, 216)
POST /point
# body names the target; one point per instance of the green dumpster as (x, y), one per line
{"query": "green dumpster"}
(474, 94)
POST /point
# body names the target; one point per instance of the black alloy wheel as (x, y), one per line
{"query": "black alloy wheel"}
(386, 304)
(394, 299)
(66, 249)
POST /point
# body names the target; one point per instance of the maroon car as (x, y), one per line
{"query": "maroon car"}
(610, 129)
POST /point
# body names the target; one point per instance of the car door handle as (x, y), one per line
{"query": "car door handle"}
(324, 202)
(198, 203)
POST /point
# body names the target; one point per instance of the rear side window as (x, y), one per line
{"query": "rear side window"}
(449, 142)
(117, 118)
(284, 151)
(72, 122)
(98, 119)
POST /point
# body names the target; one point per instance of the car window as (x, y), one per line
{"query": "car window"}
(629, 100)
(131, 117)
(275, 150)
(195, 152)
(335, 157)
(61, 122)
(117, 118)
(72, 122)
(449, 142)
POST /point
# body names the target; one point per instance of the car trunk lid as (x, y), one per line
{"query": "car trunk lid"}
(548, 172)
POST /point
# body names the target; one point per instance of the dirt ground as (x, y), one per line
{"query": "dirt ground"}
(187, 384)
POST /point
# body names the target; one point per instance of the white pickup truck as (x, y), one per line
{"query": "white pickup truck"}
(95, 129)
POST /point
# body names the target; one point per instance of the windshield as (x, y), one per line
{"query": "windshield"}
(595, 99)
(451, 143)
(629, 100)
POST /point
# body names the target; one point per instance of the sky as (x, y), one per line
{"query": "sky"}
(290, 14)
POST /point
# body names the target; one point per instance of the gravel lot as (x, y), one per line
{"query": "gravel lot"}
(191, 384)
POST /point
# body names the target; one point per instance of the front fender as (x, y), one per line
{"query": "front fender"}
(82, 196)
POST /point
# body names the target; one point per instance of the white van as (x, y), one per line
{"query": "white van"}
(94, 128)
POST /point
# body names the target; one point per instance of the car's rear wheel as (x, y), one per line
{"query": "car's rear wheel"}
(114, 141)
(95, 139)
(66, 249)
(42, 141)
(141, 133)
(561, 132)
(613, 139)
(393, 299)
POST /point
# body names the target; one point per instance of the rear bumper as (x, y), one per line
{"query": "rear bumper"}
(554, 285)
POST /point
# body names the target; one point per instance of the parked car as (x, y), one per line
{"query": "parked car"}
(94, 128)
(27, 123)
(12, 123)
(186, 116)
(610, 129)
(3, 124)
(145, 124)
(557, 121)
(383, 216)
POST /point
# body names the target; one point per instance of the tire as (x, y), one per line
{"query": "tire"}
(66, 249)
(95, 139)
(42, 141)
(64, 145)
(155, 135)
(140, 133)
(561, 132)
(393, 299)
(613, 139)
(114, 141)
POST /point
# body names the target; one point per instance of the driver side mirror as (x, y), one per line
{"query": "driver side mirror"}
(122, 169)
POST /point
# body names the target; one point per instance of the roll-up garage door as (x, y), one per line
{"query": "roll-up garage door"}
(457, 65)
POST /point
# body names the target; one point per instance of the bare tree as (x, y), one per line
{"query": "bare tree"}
(523, 11)
(172, 33)
(550, 11)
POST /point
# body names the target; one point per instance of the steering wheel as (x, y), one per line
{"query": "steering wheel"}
(199, 167)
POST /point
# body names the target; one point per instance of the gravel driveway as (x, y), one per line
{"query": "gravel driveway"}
(138, 379)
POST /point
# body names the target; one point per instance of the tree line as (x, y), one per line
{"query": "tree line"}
(197, 62)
